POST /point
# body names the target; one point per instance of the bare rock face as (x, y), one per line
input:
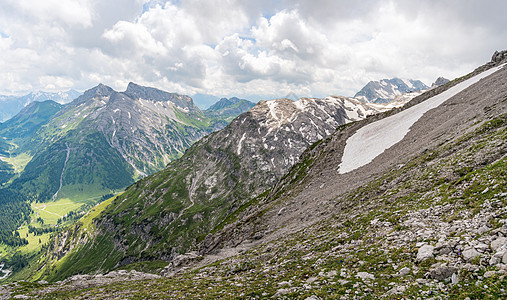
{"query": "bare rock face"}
(440, 81)
(499, 56)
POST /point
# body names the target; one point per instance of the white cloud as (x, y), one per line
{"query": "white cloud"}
(233, 47)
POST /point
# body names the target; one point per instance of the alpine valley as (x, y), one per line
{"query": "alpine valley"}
(57, 160)
(332, 198)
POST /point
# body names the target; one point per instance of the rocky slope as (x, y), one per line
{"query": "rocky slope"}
(168, 212)
(385, 90)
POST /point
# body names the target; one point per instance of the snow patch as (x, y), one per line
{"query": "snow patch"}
(373, 139)
(408, 83)
(240, 143)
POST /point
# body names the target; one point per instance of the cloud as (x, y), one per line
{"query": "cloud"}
(242, 48)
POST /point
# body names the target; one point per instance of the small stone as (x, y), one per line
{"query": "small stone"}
(365, 275)
(454, 278)
(495, 260)
(331, 274)
(404, 271)
(312, 297)
(470, 253)
(311, 279)
(483, 229)
(442, 273)
(282, 292)
(489, 274)
(424, 253)
(499, 242)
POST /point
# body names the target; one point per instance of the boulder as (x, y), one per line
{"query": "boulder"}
(424, 253)
(404, 271)
(499, 242)
(470, 253)
(442, 272)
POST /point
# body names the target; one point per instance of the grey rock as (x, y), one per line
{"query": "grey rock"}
(454, 278)
(442, 273)
(483, 229)
(498, 242)
(499, 56)
(470, 253)
(440, 81)
(404, 271)
(365, 275)
(496, 258)
(424, 253)
(282, 292)
(488, 274)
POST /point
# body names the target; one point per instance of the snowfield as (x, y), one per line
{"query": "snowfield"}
(373, 139)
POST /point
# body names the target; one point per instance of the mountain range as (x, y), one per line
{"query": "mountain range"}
(315, 198)
(11, 105)
(385, 90)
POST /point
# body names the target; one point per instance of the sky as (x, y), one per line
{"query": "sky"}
(251, 49)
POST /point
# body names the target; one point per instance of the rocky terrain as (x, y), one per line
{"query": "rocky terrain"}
(425, 218)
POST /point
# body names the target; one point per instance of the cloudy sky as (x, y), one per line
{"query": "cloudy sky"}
(256, 49)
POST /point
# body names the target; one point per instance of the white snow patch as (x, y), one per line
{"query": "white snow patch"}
(408, 83)
(373, 139)
(240, 143)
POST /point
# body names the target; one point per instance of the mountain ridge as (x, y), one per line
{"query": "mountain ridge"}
(385, 90)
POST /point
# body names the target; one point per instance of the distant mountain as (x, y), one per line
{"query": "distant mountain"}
(440, 81)
(11, 105)
(292, 96)
(227, 109)
(203, 100)
(104, 140)
(386, 90)
(29, 119)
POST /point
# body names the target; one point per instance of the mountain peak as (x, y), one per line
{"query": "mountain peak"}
(100, 90)
(136, 91)
(385, 90)
(440, 81)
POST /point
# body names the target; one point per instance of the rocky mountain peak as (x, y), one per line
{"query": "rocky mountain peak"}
(136, 91)
(100, 90)
(224, 102)
(499, 56)
(385, 90)
(440, 81)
